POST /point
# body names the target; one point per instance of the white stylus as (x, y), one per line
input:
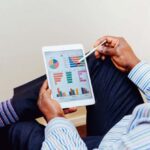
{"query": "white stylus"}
(90, 52)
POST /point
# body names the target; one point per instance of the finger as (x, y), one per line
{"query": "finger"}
(70, 110)
(110, 41)
(120, 68)
(97, 54)
(44, 86)
(73, 109)
(117, 66)
(98, 57)
(107, 51)
(103, 57)
(49, 92)
(66, 111)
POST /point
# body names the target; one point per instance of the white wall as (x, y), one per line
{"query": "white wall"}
(27, 25)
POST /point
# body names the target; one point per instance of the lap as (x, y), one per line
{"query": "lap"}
(115, 95)
(26, 136)
(30, 136)
(92, 141)
(4, 142)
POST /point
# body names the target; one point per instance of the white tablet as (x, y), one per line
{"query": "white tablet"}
(68, 79)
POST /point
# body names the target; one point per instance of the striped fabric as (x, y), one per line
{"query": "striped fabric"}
(131, 133)
(140, 75)
(61, 134)
(7, 114)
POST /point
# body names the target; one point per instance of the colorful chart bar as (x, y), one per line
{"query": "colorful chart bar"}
(69, 77)
(74, 61)
(57, 77)
(84, 91)
(71, 92)
(74, 92)
(60, 93)
(82, 75)
(53, 63)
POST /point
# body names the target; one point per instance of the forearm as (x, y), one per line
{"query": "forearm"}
(7, 114)
(61, 134)
(138, 133)
(140, 75)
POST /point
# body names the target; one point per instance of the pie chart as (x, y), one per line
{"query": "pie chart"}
(53, 64)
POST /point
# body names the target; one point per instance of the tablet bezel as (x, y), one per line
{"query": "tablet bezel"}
(58, 48)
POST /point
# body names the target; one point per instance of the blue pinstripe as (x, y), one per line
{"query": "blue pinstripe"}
(131, 132)
(7, 114)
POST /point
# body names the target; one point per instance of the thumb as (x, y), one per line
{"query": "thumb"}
(107, 51)
(44, 86)
(49, 92)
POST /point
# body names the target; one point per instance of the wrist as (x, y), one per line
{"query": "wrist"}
(133, 63)
(50, 116)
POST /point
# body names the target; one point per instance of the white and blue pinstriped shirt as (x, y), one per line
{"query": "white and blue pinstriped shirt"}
(131, 133)
(7, 114)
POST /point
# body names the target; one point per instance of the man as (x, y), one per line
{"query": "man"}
(116, 96)
(132, 132)
(21, 108)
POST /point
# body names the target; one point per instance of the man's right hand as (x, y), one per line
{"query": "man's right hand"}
(120, 52)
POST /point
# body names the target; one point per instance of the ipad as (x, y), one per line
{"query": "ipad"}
(68, 79)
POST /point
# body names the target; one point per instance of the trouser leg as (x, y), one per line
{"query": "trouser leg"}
(4, 143)
(92, 141)
(25, 99)
(24, 102)
(115, 95)
(30, 136)
(26, 136)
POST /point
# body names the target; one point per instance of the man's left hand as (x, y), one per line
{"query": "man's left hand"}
(50, 107)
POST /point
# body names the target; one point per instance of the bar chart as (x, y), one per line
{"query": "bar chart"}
(58, 77)
(60, 93)
(69, 77)
(82, 75)
(72, 92)
(74, 61)
(84, 90)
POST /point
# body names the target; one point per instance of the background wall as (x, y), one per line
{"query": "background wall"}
(27, 25)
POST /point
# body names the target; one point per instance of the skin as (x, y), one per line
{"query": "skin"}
(119, 51)
(50, 107)
(122, 57)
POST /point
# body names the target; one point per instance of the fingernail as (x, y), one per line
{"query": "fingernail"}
(101, 49)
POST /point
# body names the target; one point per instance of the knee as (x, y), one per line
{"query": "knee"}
(23, 134)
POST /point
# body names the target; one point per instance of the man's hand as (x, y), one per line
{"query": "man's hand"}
(120, 52)
(49, 107)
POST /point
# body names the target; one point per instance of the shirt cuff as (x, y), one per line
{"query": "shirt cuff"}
(57, 123)
(7, 114)
(139, 73)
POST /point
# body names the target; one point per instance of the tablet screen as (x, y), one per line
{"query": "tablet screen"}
(68, 78)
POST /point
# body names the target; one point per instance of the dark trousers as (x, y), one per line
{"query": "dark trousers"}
(115, 95)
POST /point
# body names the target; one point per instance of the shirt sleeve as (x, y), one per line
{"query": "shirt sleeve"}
(60, 134)
(138, 131)
(7, 114)
(140, 75)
